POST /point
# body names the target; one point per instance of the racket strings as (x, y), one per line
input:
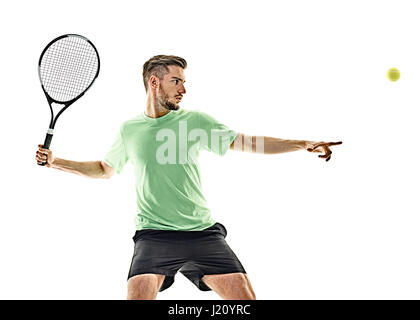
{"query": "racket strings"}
(63, 69)
(68, 67)
(63, 74)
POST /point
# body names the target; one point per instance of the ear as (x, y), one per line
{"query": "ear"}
(154, 82)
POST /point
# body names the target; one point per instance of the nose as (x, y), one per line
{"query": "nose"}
(182, 90)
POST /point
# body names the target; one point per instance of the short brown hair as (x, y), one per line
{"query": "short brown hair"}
(158, 66)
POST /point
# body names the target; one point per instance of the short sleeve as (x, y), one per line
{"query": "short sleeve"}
(219, 136)
(117, 155)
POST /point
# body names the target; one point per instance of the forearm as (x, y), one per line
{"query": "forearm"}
(266, 145)
(91, 169)
(277, 145)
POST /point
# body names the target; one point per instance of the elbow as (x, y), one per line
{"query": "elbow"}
(107, 171)
(248, 143)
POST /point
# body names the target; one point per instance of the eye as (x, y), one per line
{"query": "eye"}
(176, 81)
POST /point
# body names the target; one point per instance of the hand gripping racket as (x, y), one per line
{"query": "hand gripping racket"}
(67, 68)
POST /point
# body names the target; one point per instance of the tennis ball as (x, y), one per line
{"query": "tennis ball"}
(393, 74)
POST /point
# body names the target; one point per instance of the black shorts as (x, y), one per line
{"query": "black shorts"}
(193, 253)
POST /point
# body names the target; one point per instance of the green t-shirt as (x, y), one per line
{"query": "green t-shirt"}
(164, 152)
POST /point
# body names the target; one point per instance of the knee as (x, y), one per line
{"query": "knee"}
(239, 279)
(243, 282)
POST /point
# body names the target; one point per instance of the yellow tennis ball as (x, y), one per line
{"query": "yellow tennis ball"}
(393, 74)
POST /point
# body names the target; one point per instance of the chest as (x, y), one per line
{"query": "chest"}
(163, 146)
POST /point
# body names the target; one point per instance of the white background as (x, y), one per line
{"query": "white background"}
(302, 227)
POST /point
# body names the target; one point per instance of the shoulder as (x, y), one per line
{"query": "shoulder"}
(134, 121)
(130, 125)
(194, 114)
(186, 113)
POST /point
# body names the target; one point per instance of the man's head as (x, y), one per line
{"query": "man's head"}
(163, 76)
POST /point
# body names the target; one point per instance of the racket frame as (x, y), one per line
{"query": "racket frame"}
(51, 100)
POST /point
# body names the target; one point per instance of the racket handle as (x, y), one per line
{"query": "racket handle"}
(47, 144)
(47, 141)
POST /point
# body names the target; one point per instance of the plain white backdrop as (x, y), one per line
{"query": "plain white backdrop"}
(302, 227)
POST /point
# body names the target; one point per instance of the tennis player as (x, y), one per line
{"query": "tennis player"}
(174, 228)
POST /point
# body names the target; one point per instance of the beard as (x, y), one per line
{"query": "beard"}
(164, 102)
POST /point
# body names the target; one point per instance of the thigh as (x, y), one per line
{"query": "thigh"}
(214, 256)
(157, 257)
(144, 286)
(210, 256)
(146, 279)
(231, 286)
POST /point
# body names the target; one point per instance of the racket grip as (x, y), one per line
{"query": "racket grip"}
(47, 141)
(46, 144)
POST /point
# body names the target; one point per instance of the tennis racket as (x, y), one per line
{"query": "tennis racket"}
(67, 68)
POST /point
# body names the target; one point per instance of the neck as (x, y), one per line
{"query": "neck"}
(153, 108)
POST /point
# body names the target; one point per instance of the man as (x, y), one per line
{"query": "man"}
(174, 229)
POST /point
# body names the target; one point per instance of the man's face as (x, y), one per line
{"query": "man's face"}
(172, 88)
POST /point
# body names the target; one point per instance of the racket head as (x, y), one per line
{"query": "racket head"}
(67, 68)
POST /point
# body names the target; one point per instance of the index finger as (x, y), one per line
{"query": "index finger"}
(334, 143)
(41, 148)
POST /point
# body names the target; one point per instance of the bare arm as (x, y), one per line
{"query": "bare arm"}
(91, 169)
(270, 145)
(266, 145)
